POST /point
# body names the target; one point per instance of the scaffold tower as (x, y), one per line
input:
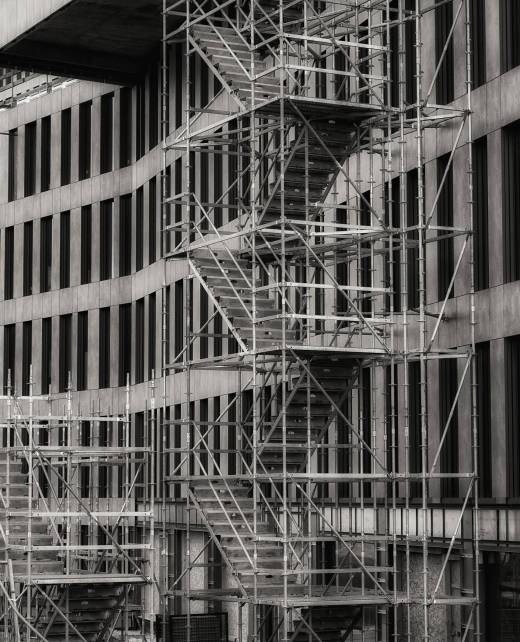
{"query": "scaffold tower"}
(323, 481)
(77, 520)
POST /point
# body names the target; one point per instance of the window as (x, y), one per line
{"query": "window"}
(27, 258)
(478, 42)
(203, 319)
(26, 356)
(151, 334)
(82, 355)
(11, 165)
(9, 263)
(180, 50)
(125, 127)
(443, 24)
(152, 220)
(449, 462)
(414, 422)
(178, 190)
(9, 357)
(125, 235)
(86, 244)
(445, 258)
(153, 120)
(30, 160)
(412, 216)
(512, 406)
(45, 157)
(104, 347)
(65, 351)
(85, 140)
(365, 391)
(509, 30)
(485, 450)
(66, 140)
(480, 218)
(139, 222)
(365, 219)
(45, 253)
(139, 341)
(511, 201)
(140, 121)
(393, 263)
(178, 315)
(46, 355)
(105, 241)
(106, 133)
(232, 434)
(125, 342)
(65, 250)
(218, 183)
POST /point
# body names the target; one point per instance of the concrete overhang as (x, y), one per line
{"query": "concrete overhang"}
(103, 40)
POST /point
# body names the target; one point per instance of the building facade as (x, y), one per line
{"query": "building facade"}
(258, 296)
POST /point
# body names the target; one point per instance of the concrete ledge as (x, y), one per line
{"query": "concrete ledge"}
(104, 40)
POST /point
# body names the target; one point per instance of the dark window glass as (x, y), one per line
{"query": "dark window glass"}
(45, 253)
(511, 201)
(45, 158)
(478, 42)
(104, 347)
(12, 164)
(85, 140)
(180, 50)
(412, 215)
(46, 354)
(9, 357)
(65, 250)
(203, 313)
(139, 341)
(509, 30)
(152, 319)
(107, 133)
(414, 422)
(445, 257)
(9, 263)
(449, 456)
(140, 121)
(86, 244)
(66, 140)
(153, 121)
(30, 159)
(152, 220)
(125, 342)
(125, 127)
(125, 235)
(27, 258)
(178, 305)
(443, 24)
(484, 418)
(139, 222)
(26, 356)
(480, 218)
(65, 351)
(82, 355)
(512, 392)
(105, 244)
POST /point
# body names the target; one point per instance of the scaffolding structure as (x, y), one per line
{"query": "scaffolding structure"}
(321, 480)
(77, 519)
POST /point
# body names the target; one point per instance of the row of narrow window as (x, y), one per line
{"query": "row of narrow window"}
(130, 336)
(80, 151)
(47, 243)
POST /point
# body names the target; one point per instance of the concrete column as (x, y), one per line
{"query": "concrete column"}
(95, 137)
(498, 418)
(496, 266)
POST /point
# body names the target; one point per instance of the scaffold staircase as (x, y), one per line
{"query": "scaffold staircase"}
(66, 611)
